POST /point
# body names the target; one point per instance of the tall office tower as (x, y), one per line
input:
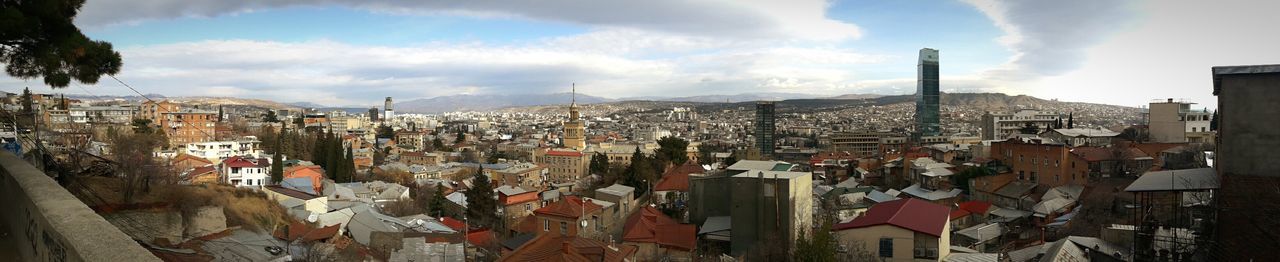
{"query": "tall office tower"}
(927, 99)
(764, 128)
(373, 114)
(387, 113)
(575, 136)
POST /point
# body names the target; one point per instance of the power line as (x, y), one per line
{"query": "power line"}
(154, 101)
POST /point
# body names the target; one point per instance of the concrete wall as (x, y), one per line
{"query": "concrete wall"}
(1248, 132)
(52, 225)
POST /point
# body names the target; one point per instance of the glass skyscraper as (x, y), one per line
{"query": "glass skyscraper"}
(764, 128)
(927, 99)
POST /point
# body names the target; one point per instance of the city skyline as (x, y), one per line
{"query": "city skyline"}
(341, 53)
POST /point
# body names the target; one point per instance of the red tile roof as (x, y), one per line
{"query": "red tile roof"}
(291, 193)
(911, 214)
(185, 157)
(299, 231)
(976, 206)
(555, 248)
(517, 199)
(237, 161)
(677, 179)
(564, 153)
(569, 207)
(456, 225)
(482, 237)
(651, 226)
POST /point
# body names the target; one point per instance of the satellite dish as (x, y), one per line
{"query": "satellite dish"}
(313, 217)
(584, 223)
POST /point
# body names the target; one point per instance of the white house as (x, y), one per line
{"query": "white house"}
(243, 172)
(214, 150)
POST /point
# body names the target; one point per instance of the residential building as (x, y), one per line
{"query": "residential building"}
(764, 128)
(412, 139)
(295, 201)
(770, 206)
(313, 173)
(1077, 137)
(622, 195)
(420, 158)
(901, 230)
(1000, 126)
(1045, 164)
(659, 237)
(1244, 161)
(1170, 122)
(862, 144)
(529, 176)
(927, 95)
(184, 162)
(516, 204)
(245, 172)
(565, 165)
(621, 153)
(189, 126)
(572, 216)
(213, 150)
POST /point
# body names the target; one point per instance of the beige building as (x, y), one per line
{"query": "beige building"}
(901, 230)
(565, 165)
(575, 134)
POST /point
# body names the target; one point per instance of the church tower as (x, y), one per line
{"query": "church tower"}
(574, 130)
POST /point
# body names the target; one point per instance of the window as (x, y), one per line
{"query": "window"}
(886, 247)
(599, 226)
(546, 225)
(528, 206)
(564, 228)
(1021, 176)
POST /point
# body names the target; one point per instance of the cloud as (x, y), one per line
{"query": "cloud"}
(1051, 37)
(338, 73)
(751, 19)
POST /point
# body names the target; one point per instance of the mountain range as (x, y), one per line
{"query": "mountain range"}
(496, 101)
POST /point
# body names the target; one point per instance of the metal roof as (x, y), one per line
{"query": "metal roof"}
(1176, 180)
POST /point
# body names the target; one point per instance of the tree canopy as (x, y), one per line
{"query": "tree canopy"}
(672, 150)
(39, 40)
(482, 207)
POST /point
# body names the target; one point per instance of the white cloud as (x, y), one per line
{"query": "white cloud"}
(751, 19)
(340, 74)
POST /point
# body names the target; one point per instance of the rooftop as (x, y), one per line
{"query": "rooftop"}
(911, 214)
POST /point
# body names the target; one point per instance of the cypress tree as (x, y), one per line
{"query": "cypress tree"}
(277, 163)
(1071, 120)
(349, 166)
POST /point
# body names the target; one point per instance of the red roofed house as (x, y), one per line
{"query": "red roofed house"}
(659, 236)
(913, 229)
(202, 175)
(240, 171)
(516, 204)
(969, 213)
(315, 173)
(561, 236)
(184, 162)
(676, 182)
(564, 217)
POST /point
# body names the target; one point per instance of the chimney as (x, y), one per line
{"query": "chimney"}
(1170, 100)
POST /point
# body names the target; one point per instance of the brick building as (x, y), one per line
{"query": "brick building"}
(1045, 164)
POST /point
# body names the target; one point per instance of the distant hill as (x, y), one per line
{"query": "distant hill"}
(856, 96)
(305, 104)
(490, 102)
(212, 101)
(110, 98)
(744, 97)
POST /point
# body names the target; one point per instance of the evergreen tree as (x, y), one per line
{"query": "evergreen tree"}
(27, 105)
(333, 156)
(349, 166)
(38, 39)
(436, 205)
(640, 173)
(820, 246)
(1071, 120)
(481, 206)
(599, 164)
(277, 163)
(318, 149)
(462, 136)
(1213, 123)
(672, 150)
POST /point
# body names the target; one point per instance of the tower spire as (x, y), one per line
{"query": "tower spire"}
(573, 95)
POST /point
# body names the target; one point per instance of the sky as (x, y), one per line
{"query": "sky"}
(355, 52)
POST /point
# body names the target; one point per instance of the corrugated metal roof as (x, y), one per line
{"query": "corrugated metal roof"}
(1176, 180)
